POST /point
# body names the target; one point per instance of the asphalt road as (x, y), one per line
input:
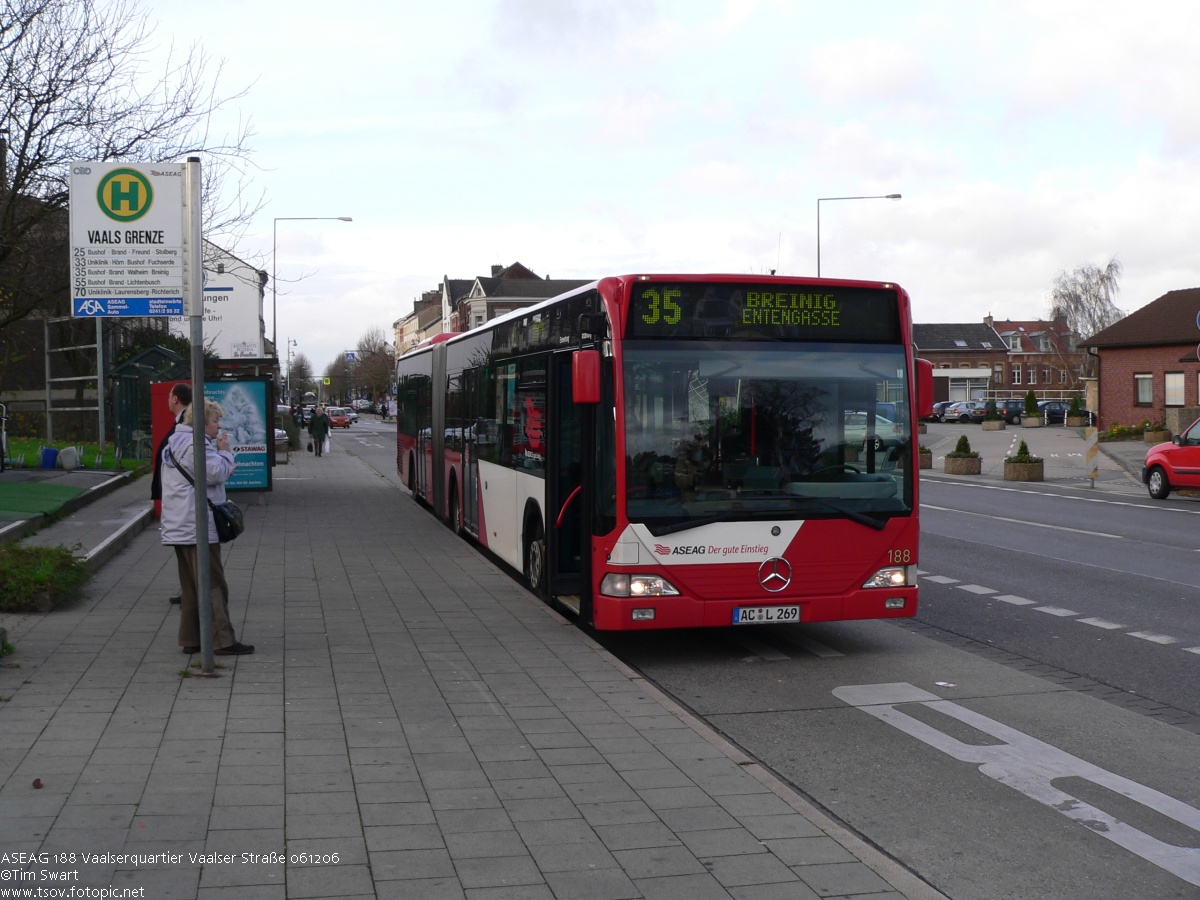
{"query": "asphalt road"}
(955, 743)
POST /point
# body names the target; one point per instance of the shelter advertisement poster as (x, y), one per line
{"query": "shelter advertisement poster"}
(246, 420)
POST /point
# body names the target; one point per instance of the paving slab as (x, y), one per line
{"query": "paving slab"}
(412, 724)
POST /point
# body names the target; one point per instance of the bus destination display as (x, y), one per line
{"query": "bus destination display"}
(696, 310)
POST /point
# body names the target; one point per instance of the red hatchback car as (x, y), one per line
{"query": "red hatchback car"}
(338, 417)
(1175, 464)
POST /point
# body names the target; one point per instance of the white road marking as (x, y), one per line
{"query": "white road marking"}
(1024, 522)
(1154, 638)
(1031, 767)
(977, 589)
(1100, 623)
(1191, 649)
(941, 579)
(1015, 601)
(1056, 611)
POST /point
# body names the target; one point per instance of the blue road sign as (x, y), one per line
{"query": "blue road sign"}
(94, 307)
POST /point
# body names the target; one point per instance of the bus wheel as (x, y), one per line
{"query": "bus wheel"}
(1158, 484)
(535, 559)
(455, 512)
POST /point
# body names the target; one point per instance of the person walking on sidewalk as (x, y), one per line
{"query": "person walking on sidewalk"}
(318, 427)
(179, 528)
(178, 400)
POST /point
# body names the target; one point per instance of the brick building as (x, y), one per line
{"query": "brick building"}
(1148, 367)
(1001, 359)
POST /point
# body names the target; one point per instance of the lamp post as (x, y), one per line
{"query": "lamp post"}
(274, 248)
(290, 344)
(821, 200)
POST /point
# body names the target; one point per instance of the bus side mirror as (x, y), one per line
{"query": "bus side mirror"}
(585, 376)
(924, 388)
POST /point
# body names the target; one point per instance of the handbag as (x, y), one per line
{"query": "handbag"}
(310, 450)
(227, 515)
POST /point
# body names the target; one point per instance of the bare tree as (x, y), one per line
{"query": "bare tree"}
(74, 87)
(1086, 300)
(375, 362)
(1086, 297)
(300, 375)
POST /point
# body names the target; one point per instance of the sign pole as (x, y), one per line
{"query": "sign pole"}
(193, 275)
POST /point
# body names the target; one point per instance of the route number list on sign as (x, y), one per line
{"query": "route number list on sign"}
(127, 240)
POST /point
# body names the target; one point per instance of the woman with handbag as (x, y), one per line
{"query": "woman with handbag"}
(179, 528)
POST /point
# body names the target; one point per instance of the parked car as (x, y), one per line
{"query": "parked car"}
(887, 432)
(351, 413)
(965, 411)
(306, 413)
(1012, 410)
(1174, 464)
(338, 417)
(939, 409)
(362, 405)
(1054, 412)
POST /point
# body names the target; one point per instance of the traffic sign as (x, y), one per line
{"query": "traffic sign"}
(127, 254)
(351, 356)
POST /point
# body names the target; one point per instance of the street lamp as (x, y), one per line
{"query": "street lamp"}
(820, 200)
(290, 344)
(274, 247)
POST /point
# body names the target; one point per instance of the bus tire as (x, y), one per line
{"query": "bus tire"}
(1157, 483)
(454, 511)
(535, 557)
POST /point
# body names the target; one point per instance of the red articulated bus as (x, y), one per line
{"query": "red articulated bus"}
(670, 451)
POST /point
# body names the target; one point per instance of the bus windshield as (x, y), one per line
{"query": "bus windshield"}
(765, 430)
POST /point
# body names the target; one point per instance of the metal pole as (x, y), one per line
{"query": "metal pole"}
(100, 378)
(274, 287)
(192, 235)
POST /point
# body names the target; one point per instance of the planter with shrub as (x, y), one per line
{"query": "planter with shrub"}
(993, 421)
(1031, 418)
(962, 460)
(1023, 465)
(924, 457)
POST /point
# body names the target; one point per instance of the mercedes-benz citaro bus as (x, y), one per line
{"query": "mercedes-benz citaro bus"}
(670, 451)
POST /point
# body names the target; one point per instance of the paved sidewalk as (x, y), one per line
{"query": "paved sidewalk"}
(412, 724)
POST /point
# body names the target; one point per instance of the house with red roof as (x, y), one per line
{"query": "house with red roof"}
(1148, 366)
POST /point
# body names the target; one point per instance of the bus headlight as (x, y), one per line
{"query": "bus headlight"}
(615, 585)
(891, 577)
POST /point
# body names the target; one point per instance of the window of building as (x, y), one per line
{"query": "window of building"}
(1143, 389)
(1033, 375)
(1173, 388)
(1045, 376)
(1016, 374)
(1013, 340)
(998, 373)
(1062, 376)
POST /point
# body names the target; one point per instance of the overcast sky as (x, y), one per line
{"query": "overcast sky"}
(596, 137)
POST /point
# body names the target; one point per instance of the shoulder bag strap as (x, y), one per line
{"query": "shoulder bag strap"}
(183, 472)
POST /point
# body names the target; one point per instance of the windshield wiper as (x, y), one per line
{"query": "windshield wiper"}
(852, 514)
(689, 524)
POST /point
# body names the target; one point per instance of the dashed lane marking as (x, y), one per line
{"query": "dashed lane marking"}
(1061, 612)
(976, 589)
(1025, 522)
(1014, 600)
(1153, 638)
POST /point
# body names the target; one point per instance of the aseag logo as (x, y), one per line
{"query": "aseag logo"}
(125, 195)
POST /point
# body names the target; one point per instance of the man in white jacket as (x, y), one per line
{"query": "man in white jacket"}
(179, 528)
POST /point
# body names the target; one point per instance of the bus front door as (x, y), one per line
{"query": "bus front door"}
(568, 492)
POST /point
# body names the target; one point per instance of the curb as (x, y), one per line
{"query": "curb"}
(117, 541)
(23, 528)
